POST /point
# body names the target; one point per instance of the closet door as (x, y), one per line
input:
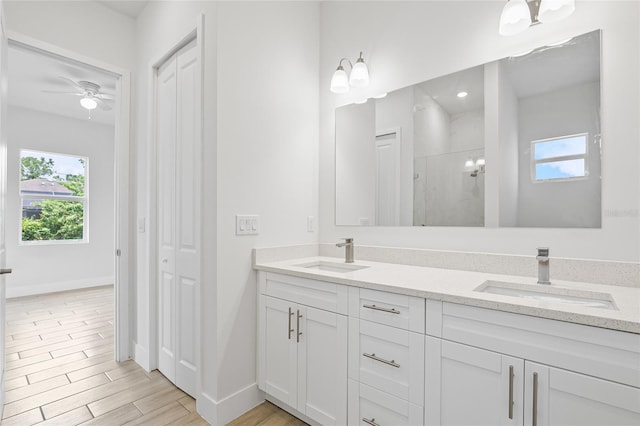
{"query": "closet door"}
(166, 146)
(178, 216)
(187, 216)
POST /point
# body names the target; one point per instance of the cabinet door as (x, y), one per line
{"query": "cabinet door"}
(471, 386)
(280, 349)
(558, 397)
(322, 365)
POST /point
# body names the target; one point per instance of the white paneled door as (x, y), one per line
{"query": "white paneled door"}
(3, 191)
(179, 203)
(388, 179)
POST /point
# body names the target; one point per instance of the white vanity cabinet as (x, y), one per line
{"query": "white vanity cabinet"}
(386, 359)
(509, 369)
(302, 346)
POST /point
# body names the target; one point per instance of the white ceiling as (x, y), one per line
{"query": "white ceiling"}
(31, 72)
(126, 7)
(444, 90)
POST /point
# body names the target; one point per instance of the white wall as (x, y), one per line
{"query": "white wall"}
(260, 157)
(57, 267)
(408, 42)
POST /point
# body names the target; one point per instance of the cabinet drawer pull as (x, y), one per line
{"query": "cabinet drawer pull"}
(298, 326)
(372, 422)
(511, 391)
(378, 308)
(534, 421)
(290, 329)
(382, 360)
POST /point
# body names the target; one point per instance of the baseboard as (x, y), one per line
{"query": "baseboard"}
(30, 290)
(292, 411)
(207, 408)
(236, 404)
(141, 357)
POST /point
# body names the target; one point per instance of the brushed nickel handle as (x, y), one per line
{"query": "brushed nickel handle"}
(5, 271)
(382, 360)
(372, 422)
(298, 326)
(378, 308)
(534, 421)
(290, 329)
(511, 391)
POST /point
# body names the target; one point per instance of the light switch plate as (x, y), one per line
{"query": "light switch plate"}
(247, 224)
(311, 224)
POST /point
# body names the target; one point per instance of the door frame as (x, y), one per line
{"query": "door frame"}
(196, 33)
(122, 288)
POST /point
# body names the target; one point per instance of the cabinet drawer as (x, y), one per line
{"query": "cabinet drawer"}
(318, 294)
(371, 407)
(395, 310)
(388, 359)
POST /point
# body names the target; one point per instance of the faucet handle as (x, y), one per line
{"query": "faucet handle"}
(348, 240)
(543, 251)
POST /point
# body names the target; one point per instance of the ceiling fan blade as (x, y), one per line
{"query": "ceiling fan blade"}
(73, 83)
(103, 96)
(103, 105)
(62, 93)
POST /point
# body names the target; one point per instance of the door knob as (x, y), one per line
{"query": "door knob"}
(5, 271)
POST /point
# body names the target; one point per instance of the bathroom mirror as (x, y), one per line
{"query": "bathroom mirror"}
(419, 155)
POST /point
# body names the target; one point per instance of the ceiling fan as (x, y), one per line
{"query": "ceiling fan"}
(91, 97)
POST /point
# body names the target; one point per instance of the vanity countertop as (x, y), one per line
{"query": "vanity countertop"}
(458, 286)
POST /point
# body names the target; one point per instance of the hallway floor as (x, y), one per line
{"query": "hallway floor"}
(60, 368)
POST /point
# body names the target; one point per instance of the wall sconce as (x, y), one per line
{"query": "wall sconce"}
(359, 76)
(518, 15)
(475, 167)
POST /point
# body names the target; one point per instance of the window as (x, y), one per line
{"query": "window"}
(562, 158)
(53, 197)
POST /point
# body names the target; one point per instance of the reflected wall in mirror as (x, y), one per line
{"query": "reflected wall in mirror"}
(417, 156)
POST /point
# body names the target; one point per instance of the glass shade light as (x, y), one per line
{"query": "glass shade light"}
(340, 81)
(555, 10)
(469, 163)
(88, 102)
(359, 76)
(480, 162)
(515, 17)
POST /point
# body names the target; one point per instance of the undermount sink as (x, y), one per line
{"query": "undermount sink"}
(326, 266)
(549, 294)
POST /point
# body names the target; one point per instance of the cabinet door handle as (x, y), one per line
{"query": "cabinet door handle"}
(378, 308)
(382, 360)
(534, 421)
(511, 391)
(298, 326)
(372, 422)
(290, 329)
(5, 271)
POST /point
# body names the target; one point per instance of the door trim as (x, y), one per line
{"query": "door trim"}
(122, 288)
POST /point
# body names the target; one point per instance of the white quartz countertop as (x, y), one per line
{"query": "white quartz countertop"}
(458, 287)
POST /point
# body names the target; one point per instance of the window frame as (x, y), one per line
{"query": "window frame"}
(559, 158)
(84, 199)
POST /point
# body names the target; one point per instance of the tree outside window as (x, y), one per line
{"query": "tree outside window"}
(53, 197)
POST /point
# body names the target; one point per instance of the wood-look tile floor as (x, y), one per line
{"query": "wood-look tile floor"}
(60, 368)
(267, 414)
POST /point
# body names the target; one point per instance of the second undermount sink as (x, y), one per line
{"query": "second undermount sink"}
(323, 265)
(549, 294)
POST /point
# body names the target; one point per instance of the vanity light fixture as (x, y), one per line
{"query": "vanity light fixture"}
(359, 76)
(518, 15)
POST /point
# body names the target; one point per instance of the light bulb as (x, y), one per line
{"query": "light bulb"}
(468, 163)
(480, 162)
(359, 76)
(555, 10)
(515, 17)
(88, 102)
(340, 81)
(462, 94)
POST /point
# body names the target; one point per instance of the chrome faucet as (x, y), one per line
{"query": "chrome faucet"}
(543, 265)
(348, 249)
